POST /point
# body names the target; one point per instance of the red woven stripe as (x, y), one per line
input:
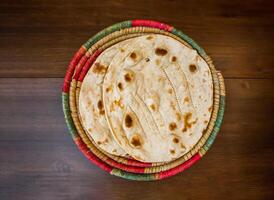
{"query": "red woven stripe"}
(79, 67)
(82, 146)
(126, 167)
(88, 64)
(138, 164)
(71, 68)
(180, 168)
(150, 23)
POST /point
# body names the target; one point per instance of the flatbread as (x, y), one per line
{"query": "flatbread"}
(157, 95)
(91, 108)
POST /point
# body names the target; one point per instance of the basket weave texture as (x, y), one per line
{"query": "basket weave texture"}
(120, 166)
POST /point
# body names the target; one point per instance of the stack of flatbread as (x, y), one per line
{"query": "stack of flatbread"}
(148, 98)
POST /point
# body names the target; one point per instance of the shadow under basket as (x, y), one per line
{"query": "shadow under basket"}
(120, 166)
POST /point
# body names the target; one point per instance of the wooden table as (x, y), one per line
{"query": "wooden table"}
(38, 159)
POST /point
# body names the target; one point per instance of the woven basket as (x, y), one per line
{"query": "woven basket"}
(120, 166)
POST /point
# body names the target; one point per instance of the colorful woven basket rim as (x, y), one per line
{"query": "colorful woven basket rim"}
(150, 168)
(67, 85)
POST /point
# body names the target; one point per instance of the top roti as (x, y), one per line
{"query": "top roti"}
(158, 96)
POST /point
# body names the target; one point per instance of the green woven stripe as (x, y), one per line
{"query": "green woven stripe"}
(69, 121)
(107, 31)
(221, 112)
(217, 125)
(189, 41)
(132, 176)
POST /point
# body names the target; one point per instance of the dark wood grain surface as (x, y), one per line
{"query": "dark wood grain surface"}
(38, 159)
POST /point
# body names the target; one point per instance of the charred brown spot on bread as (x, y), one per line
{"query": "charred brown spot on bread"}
(205, 121)
(152, 106)
(175, 140)
(149, 37)
(128, 121)
(178, 116)
(122, 50)
(169, 91)
(187, 123)
(120, 86)
(172, 126)
(210, 109)
(204, 131)
(99, 69)
(114, 150)
(147, 59)
(160, 51)
(136, 141)
(133, 55)
(186, 99)
(89, 129)
(174, 58)
(116, 103)
(100, 105)
(102, 112)
(128, 77)
(172, 151)
(192, 68)
(119, 103)
(183, 147)
(99, 142)
(108, 89)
